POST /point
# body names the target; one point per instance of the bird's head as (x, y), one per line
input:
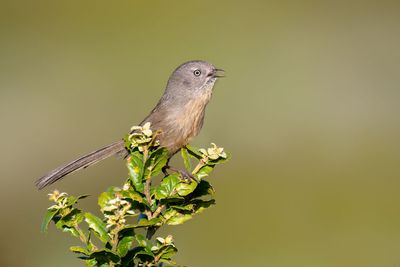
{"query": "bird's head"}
(194, 78)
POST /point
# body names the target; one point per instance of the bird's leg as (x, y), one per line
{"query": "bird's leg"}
(183, 173)
(165, 168)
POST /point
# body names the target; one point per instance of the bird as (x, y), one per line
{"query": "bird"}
(178, 117)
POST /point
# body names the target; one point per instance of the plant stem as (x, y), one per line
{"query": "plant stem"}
(147, 185)
(114, 241)
(147, 191)
(158, 210)
(82, 236)
(201, 163)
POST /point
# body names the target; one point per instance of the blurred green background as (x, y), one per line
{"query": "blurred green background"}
(309, 110)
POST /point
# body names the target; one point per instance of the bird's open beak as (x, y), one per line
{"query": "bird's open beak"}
(218, 73)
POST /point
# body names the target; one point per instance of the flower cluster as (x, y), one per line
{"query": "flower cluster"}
(141, 136)
(165, 241)
(60, 199)
(115, 211)
(213, 153)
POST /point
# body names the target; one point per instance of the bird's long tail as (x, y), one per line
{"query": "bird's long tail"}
(81, 163)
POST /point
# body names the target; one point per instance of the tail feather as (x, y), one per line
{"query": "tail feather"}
(81, 163)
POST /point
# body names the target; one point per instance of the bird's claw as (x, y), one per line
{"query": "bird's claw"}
(185, 175)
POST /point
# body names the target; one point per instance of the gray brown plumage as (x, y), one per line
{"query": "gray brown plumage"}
(179, 115)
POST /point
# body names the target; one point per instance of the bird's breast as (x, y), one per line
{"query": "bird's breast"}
(182, 123)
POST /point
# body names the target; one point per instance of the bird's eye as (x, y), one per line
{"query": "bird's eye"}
(197, 73)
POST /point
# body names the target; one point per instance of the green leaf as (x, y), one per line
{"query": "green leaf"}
(98, 226)
(167, 186)
(136, 255)
(141, 240)
(219, 160)
(69, 222)
(73, 218)
(133, 195)
(81, 250)
(179, 218)
(188, 207)
(201, 205)
(124, 245)
(135, 167)
(204, 171)
(145, 255)
(204, 188)
(104, 198)
(72, 200)
(71, 230)
(186, 159)
(158, 159)
(168, 214)
(65, 211)
(167, 252)
(104, 256)
(91, 262)
(145, 223)
(46, 220)
(194, 152)
(184, 189)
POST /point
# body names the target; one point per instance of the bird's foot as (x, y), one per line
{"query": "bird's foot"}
(187, 176)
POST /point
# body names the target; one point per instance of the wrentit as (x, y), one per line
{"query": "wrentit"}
(178, 115)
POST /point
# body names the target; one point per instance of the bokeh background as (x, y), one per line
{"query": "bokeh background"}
(309, 111)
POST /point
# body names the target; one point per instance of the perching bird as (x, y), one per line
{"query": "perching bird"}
(178, 115)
